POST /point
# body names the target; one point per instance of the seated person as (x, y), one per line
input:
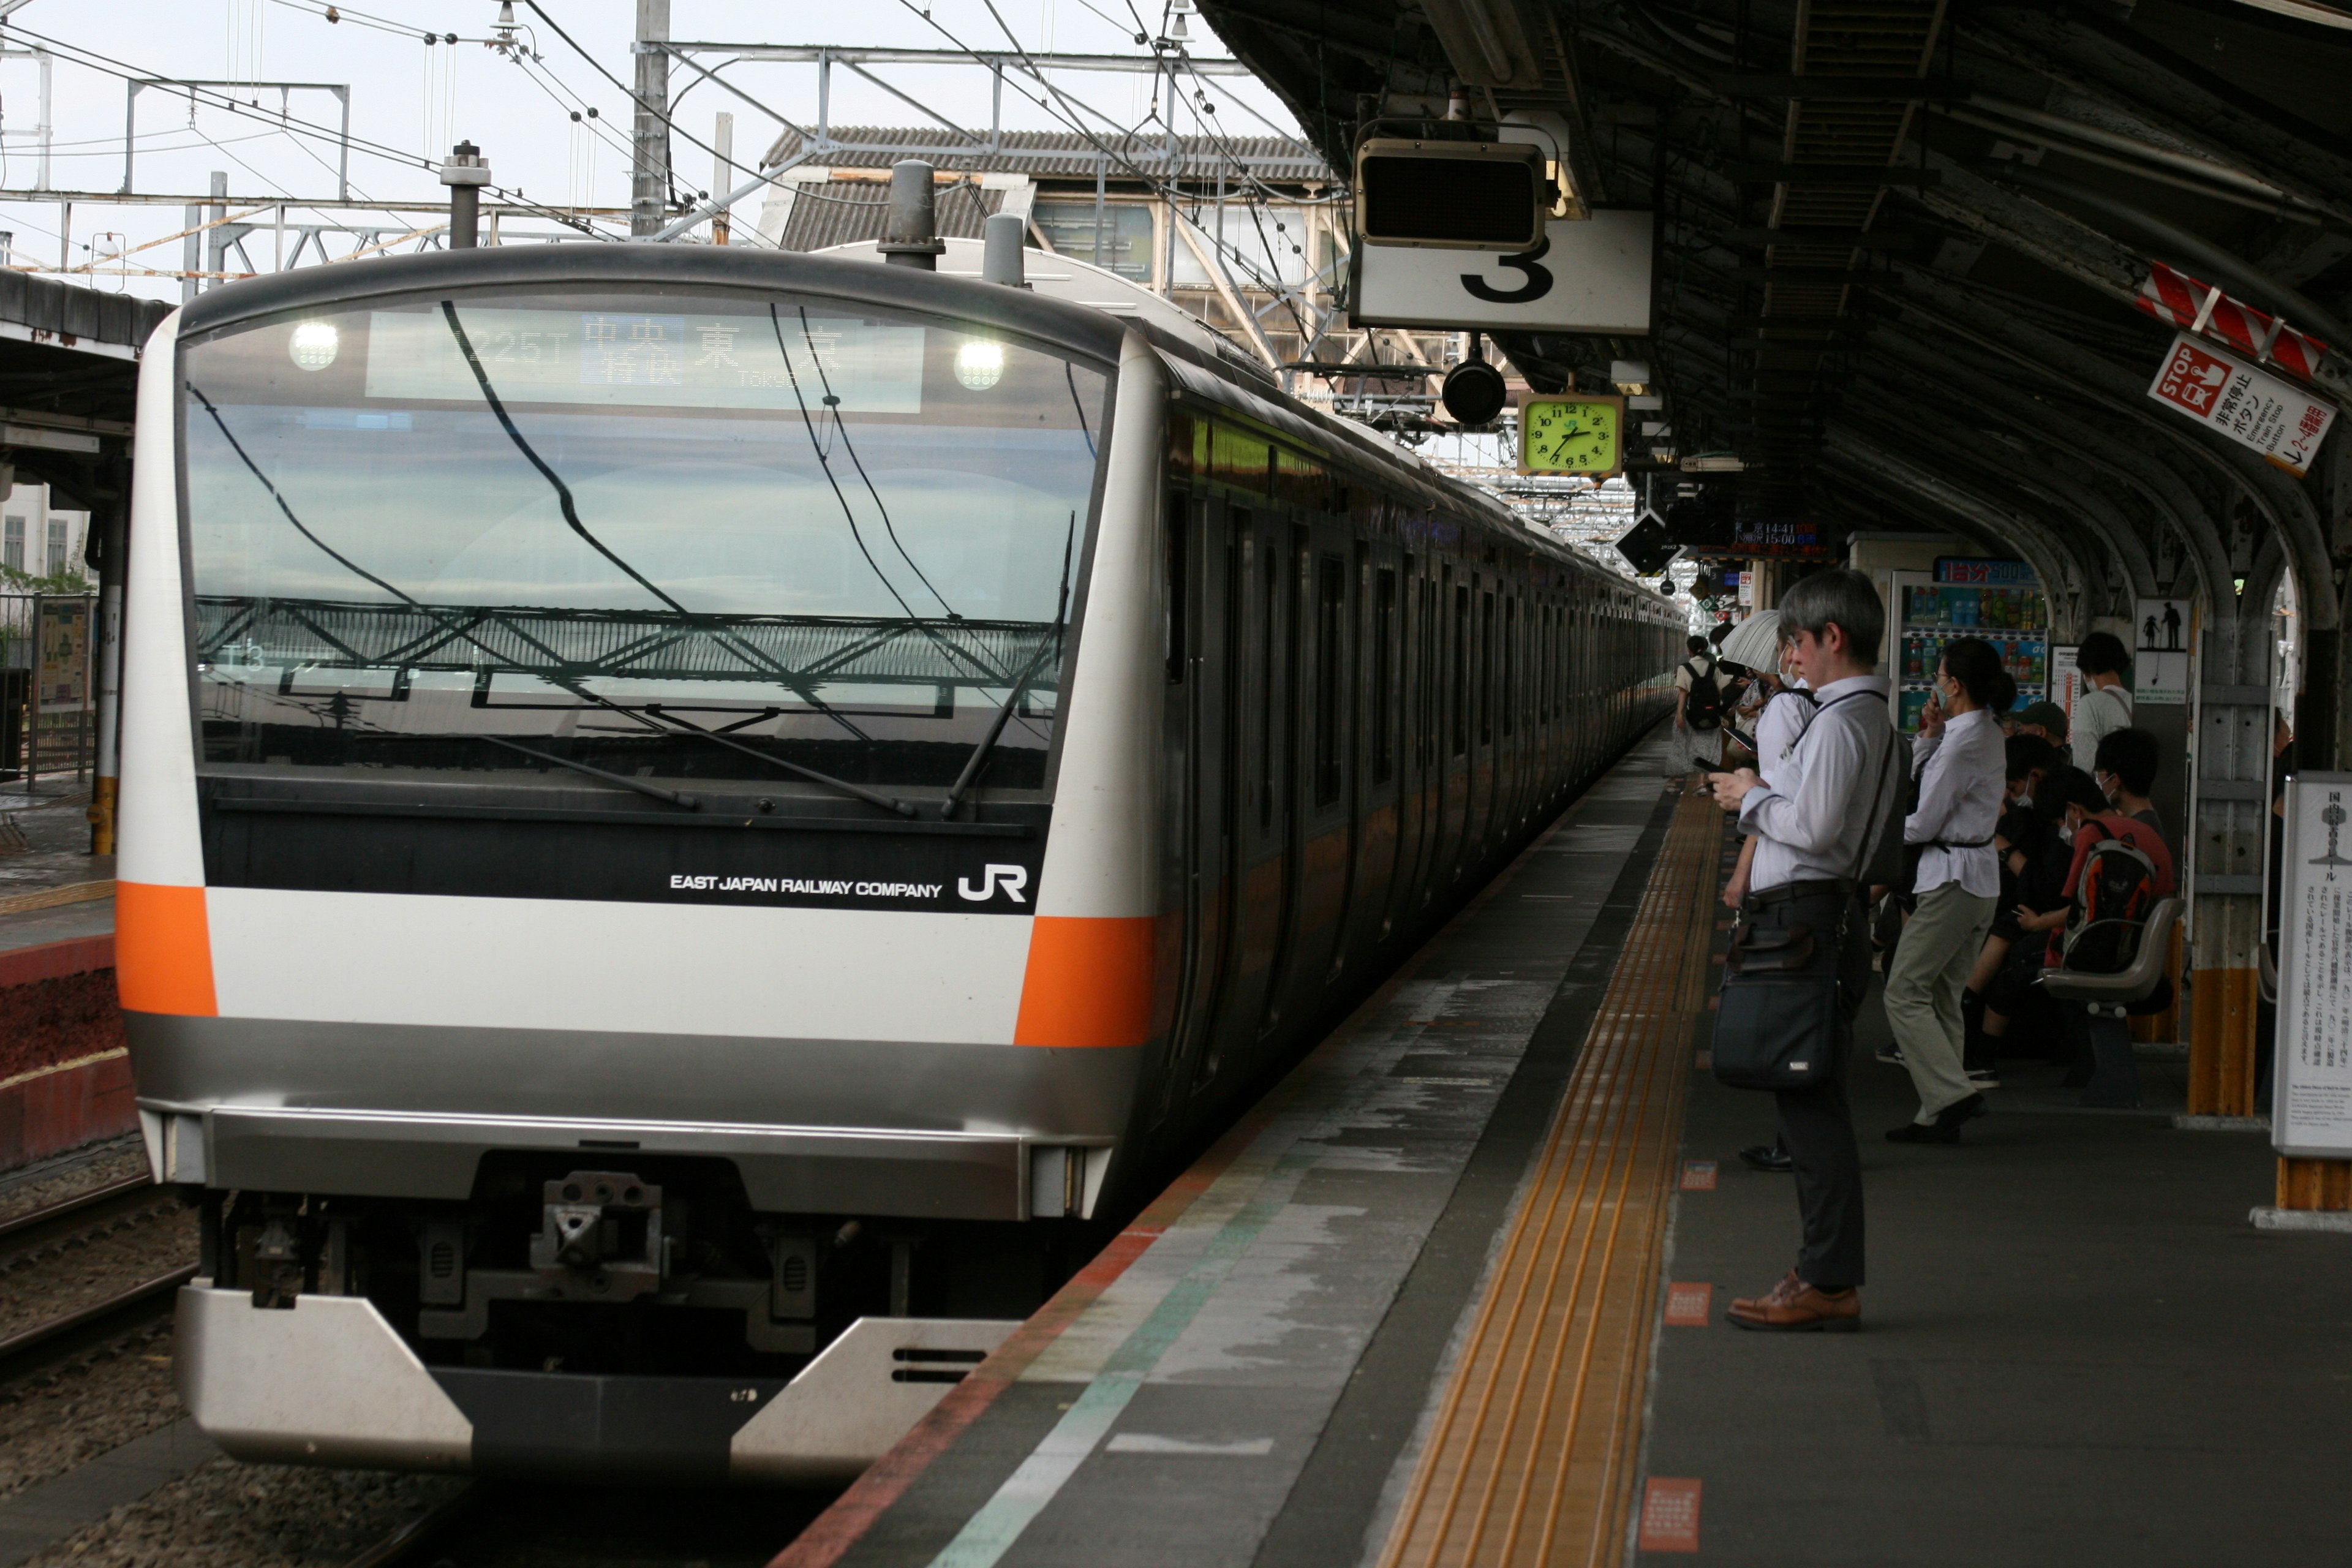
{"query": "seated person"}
(2045, 720)
(2126, 770)
(2092, 817)
(2019, 839)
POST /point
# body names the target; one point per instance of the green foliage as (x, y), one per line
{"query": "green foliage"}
(16, 581)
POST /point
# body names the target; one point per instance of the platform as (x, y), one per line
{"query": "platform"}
(1455, 1294)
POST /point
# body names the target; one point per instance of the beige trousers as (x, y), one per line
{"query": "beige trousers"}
(1932, 960)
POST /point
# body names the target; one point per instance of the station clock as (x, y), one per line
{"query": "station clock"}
(1571, 433)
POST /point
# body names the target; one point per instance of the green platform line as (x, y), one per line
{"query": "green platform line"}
(991, 1532)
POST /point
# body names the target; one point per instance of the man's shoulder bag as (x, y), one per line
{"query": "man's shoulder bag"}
(1782, 1022)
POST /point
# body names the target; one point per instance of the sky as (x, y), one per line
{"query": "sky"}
(406, 97)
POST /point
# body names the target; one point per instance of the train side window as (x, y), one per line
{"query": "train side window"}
(1384, 606)
(1461, 670)
(1269, 656)
(1181, 509)
(1510, 666)
(1485, 668)
(1331, 611)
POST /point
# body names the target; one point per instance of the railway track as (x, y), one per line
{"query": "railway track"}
(55, 1234)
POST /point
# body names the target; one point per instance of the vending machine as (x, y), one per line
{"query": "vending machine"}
(1999, 601)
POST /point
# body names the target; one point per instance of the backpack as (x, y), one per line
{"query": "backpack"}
(1703, 708)
(2110, 904)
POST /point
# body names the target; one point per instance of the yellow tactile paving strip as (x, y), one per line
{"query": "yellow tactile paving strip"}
(1530, 1462)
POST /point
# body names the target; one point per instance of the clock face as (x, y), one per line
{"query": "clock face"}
(1571, 434)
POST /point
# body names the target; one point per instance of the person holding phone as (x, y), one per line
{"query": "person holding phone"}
(1963, 777)
(1816, 822)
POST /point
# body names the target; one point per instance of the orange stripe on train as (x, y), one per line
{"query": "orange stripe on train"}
(1088, 982)
(163, 949)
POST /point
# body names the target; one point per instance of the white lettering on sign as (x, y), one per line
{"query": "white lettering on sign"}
(1013, 879)
(2251, 407)
(824, 887)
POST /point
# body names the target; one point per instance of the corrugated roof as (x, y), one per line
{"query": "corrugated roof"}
(846, 211)
(1062, 154)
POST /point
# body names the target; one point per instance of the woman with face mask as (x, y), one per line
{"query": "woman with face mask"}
(1962, 772)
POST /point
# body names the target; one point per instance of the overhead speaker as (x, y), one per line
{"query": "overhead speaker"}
(1474, 392)
(1462, 196)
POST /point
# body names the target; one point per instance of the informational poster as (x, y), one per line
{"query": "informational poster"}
(2063, 686)
(2252, 407)
(2161, 640)
(64, 641)
(2311, 1113)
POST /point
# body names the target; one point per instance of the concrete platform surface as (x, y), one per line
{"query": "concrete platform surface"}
(1242, 1377)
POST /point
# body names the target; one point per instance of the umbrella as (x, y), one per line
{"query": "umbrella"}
(1755, 642)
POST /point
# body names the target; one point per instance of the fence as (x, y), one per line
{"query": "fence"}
(48, 710)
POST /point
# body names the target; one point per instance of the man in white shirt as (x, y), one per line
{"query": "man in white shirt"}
(2106, 705)
(1815, 823)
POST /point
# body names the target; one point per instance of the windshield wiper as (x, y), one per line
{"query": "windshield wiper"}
(895, 807)
(690, 803)
(1020, 687)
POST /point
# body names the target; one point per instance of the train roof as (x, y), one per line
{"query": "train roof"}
(1086, 311)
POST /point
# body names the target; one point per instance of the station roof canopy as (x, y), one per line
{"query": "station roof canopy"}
(68, 380)
(1911, 251)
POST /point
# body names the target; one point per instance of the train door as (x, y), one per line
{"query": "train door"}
(1258, 637)
(1380, 594)
(1204, 577)
(1289, 673)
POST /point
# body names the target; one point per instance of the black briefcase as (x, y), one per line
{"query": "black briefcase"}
(1779, 1022)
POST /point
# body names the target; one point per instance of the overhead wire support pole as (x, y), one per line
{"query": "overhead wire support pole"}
(649, 170)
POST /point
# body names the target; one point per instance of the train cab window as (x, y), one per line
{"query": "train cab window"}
(441, 536)
(1331, 671)
(1384, 651)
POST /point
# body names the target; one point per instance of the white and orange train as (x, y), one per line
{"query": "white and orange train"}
(691, 813)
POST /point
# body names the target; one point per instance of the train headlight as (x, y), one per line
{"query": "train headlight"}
(314, 344)
(980, 364)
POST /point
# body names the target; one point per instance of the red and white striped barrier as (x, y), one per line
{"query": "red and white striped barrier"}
(2185, 302)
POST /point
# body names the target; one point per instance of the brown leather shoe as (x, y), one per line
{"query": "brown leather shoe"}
(1794, 1307)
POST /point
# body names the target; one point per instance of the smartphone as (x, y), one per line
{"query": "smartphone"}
(1703, 765)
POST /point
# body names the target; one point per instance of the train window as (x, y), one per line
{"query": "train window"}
(1485, 668)
(438, 535)
(1270, 574)
(1384, 606)
(1510, 665)
(1181, 509)
(1461, 670)
(1330, 667)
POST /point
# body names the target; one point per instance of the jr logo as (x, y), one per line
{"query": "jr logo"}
(1012, 879)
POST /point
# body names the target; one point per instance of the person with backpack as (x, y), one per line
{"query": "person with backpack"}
(1702, 698)
(2120, 868)
(1962, 773)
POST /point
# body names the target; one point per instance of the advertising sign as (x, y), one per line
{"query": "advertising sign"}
(2252, 407)
(2160, 664)
(1587, 277)
(1969, 569)
(64, 642)
(2310, 1110)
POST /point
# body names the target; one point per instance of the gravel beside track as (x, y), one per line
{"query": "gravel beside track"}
(228, 1515)
(68, 1415)
(37, 1186)
(124, 1242)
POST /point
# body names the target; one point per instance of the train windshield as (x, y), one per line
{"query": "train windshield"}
(436, 535)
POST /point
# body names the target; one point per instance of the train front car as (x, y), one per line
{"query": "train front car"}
(589, 922)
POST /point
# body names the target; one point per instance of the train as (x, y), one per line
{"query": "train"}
(695, 820)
